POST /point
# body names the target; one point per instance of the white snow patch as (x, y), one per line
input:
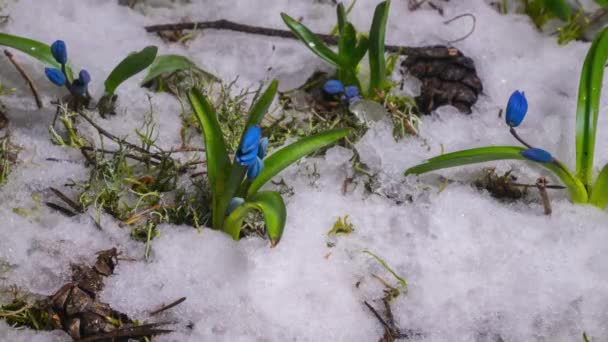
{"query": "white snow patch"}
(476, 268)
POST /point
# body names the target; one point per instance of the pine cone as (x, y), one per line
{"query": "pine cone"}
(447, 76)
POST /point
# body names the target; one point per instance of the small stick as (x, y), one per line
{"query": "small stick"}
(386, 326)
(167, 307)
(26, 77)
(556, 187)
(541, 184)
(67, 200)
(466, 35)
(265, 31)
(128, 155)
(113, 137)
(65, 211)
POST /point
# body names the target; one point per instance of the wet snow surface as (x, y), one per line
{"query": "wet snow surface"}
(476, 268)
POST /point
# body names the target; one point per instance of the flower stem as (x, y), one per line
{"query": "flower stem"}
(514, 133)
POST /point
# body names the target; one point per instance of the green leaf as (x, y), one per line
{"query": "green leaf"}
(587, 110)
(341, 13)
(260, 107)
(312, 41)
(131, 65)
(599, 192)
(167, 64)
(218, 163)
(491, 153)
(288, 155)
(377, 64)
(36, 49)
(361, 49)
(347, 45)
(602, 3)
(401, 280)
(559, 8)
(336, 29)
(270, 204)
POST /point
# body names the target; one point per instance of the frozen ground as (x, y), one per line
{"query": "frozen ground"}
(476, 268)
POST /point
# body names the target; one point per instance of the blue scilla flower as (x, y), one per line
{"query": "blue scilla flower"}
(80, 85)
(351, 91)
(516, 108)
(248, 150)
(234, 203)
(537, 155)
(84, 76)
(55, 76)
(333, 87)
(351, 94)
(59, 52)
(254, 169)
(263, 148)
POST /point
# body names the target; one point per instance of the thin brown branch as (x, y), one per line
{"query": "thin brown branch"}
(265, 31)
(127, 155)
(67, 200)
(541, 184)
(114, 138)
(470, 31)
(168, 306)
(26, 77)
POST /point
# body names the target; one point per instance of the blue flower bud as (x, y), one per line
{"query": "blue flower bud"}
(255, 169)
(79, 88)
(263, 148)
(516, 108)
(234, 203)
(351, 91)
(333, 87)
(55, 76)
(84, 76)
(59, 51)
(537, 155)
(246, 159)
(251, 139)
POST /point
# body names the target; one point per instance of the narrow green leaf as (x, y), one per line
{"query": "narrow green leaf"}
(218, 163)
(312, 41)
(491, 153)
(599, 192)
(361, 49)
(36, 49)
(288, 155)
(559, 8)
(260, 107)
(129, 66)
(377, 64)
(336, 29)
(602, 3)
(587, 110)
(167, 64)
(341, 13)
(399, 278)
(270, 204)
(347, 45)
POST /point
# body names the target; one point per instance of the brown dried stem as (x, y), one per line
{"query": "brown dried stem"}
(27, 78)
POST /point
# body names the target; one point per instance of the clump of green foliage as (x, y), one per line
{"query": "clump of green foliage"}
(341, 226)
(8, 157)
(580, 184)
(352, 47)
(234, 196)
(575, 21)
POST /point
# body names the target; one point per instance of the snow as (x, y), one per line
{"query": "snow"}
(476, 268)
